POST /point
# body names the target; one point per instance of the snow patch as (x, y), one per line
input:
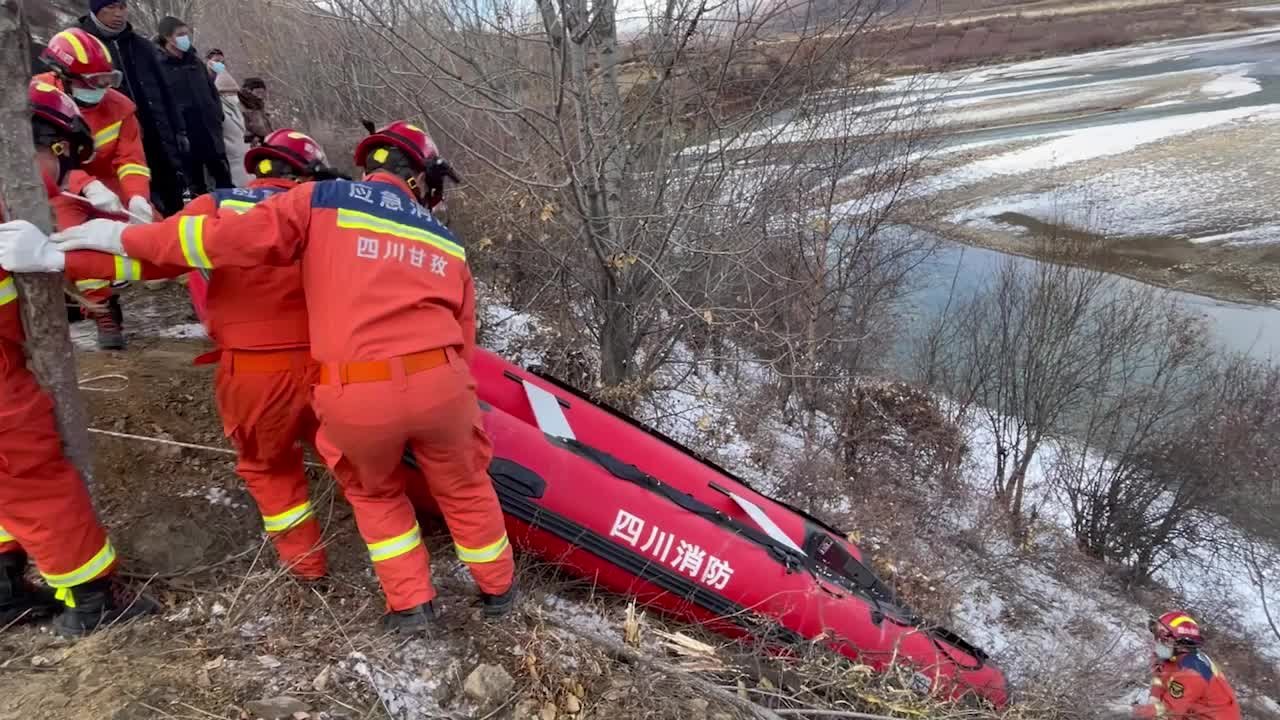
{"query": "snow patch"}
(1234, 85)
(1094, 142)
(215, 495)
(183, 331)
(1268, 233)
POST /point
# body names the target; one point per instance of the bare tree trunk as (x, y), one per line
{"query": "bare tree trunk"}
(44, 315)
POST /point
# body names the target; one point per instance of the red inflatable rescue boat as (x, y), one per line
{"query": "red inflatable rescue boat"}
(596, 493)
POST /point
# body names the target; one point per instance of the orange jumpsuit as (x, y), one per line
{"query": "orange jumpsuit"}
(392, 315)
(44, 506)
(118, 161)
(258, 318)
(1190, 686)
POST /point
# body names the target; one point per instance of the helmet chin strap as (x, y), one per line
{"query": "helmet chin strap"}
(420, 191)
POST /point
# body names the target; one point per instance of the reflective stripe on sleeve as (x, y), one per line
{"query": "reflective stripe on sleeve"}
(287, 519)
(128, 169)
(86, 572)
(486, 554)
(396, 546)
(127, 269)
(191, 235)
(8, 291)
(5, 537)
(106, 136)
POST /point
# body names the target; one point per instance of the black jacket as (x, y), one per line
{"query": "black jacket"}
(144, 83)
(197, 101)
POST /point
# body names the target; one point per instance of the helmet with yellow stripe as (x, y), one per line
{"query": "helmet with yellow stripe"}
(1177, 628)
(418, 147)
(407, 151)
(286, 151)
(57, 124)
(78, 56)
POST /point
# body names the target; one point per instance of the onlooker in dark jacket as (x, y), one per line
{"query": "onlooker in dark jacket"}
(163, 135)
(253, 101)
(197, 101)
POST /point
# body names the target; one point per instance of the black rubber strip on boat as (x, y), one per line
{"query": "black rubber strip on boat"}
(866, 584)
(666, 439)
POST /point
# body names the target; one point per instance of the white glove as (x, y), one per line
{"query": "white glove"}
(102, 235)
(102, 199)
(24, 248)
(141, 210)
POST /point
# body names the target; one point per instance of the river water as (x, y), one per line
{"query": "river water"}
(1248, 65)
(956, 271)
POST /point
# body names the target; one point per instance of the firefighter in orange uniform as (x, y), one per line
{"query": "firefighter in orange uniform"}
(45, 510)
(258, 318)
(117, 176)
(1187, 684)
(392, 312)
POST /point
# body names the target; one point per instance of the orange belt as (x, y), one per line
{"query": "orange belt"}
(380, 370)
(258, 361)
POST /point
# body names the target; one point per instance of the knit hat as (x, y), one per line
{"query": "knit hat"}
(226, 84)
(96, 5)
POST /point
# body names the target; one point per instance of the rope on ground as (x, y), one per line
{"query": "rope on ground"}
(162, 441)
(85, 383)
(175, 443)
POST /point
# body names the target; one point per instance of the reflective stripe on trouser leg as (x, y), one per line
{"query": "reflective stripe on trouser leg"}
(288, 519)
(96, 567)
(393, 548)
(487, 554)
(296, 536)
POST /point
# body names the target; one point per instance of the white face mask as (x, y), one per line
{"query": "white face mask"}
(89, 96)
(1164, 652)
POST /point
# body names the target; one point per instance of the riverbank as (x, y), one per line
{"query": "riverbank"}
(1156, 161)
(979, 32)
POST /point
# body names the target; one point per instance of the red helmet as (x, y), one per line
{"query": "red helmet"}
(299, 150)
(78, 55)
(62, 121)
(413, 140)
(1177, 628)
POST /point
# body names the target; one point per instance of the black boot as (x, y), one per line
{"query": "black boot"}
(110, 336)
(99, 603)
(413, 621)
(496, 606)
(20, 600)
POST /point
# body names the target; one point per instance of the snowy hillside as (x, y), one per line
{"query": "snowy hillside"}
(1050, 616)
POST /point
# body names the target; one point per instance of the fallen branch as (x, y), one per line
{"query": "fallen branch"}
(621, 652)
(834, 713)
